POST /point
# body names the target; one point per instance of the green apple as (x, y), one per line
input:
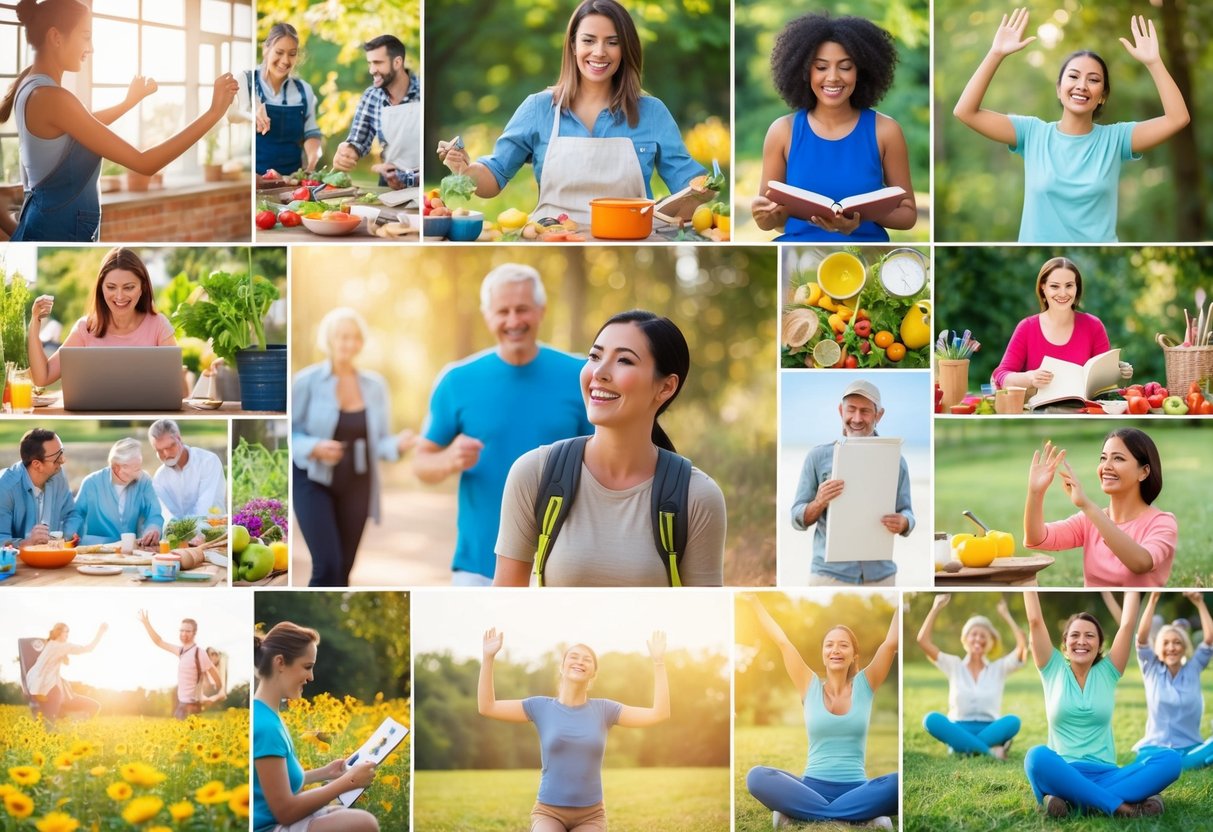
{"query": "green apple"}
(240, 539)
(1174, 406)
(256, 561)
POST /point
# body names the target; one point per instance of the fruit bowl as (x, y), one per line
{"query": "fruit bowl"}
(44, 557)
(435, 226)
(466, 228)
(335, 224)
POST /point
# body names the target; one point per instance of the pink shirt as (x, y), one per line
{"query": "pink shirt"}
(153, 331)
(189, 671)
(1156, 530)
(1028, 346)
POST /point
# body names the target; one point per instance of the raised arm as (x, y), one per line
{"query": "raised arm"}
(153, 635)
(1038, 631)
(632, 717)
(1040, 476)
(92, 645)
(928, 625)
(882, 661)
(1021, 643)
(798, 671)
(39, 365)
(1206, 620)
(506, 710)
(1122, 644)
(1147, 616)
(1175, 117)
(1008, 40)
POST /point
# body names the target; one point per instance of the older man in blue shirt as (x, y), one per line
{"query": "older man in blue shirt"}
(860, 411)
(35, 498)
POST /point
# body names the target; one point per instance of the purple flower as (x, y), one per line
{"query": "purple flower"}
(260, 515)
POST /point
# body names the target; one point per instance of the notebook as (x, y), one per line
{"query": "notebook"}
(121, 378)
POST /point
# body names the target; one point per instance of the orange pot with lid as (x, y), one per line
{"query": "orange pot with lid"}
(621, 218)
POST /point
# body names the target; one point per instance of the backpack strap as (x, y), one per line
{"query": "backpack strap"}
(554, 500)
(671, 495)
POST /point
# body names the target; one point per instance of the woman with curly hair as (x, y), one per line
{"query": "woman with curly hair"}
(832, 71)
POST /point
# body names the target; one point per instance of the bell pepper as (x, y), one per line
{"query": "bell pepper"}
(1194, 400)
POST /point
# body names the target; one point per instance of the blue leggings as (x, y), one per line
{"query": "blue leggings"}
(810, 798)
(1192, 756)
(970, 737)
(1100, 786)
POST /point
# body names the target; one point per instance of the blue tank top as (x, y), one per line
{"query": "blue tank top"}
(837, 742)
(836, 168)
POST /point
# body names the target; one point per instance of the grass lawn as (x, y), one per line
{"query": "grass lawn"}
(943, 792)
(638, 800)
(785, 747)
(983, 466)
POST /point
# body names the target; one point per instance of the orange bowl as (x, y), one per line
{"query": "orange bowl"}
(42, 557)
(619, 218)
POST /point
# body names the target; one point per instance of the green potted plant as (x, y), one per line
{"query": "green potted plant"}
(15, 301)
(231, 315)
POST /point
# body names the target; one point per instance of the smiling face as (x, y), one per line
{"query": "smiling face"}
(298, 672)
(121, 290)
(168, 448)
(1082, 88)
(125, 472)
(1060, 289)
(579, 665)
(838, 651)
(596, 49)
(513, 316)
(75, 44)
(1119, 472)
(383, 67)
(832, 75)
(1169, 645)
(280, 57)
(859, 416)
(1082, 642)
(978, 641)
(619, 381)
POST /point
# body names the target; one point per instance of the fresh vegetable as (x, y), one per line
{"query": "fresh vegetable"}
(369, 198)
(884, 339)
(1175, 406)
(1156, 401)
(232, 314)
(311, 207)
(916, 326)
(290, 219)
(896, 352)
(181, 530)
(716, 182)
(978, 551)
(863, 328)
(1193, 402)
(457, 185)
(963, 409)
(1138, 405)
(302, 192)
(336, 179)
(265, 219)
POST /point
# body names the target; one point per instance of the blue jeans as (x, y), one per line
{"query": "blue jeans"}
(1100, 786)
(811, 798)
(1192, 756)
(970, 737)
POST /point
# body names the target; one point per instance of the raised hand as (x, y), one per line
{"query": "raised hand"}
(141, 87)
(1002, 608)
(1044, 466)
(657, 646)
(42, 308)
(224, 93)
(1195, 597)
(1009, 37)
(492, 642)
(1073, 488)
(941, 601)
(1144, 47)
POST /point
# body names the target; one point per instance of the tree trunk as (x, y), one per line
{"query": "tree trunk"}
(1188, 184)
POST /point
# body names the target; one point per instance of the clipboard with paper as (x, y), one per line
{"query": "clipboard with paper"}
(383, 742)
(869, 466)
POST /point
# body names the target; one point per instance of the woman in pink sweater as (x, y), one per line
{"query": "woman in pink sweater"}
(1060, 330)
(1130, 543)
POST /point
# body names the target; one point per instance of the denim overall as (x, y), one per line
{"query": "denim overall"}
(281, 147)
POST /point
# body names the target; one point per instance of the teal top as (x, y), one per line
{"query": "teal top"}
(837, 742)
(1080, 718)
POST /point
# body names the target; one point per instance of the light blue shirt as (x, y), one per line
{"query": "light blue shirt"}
(572, 742)
(270, 739)
(655, 137)
(837, 742)
(314, 415)
(19, 506)
(1175, 704)
(100, 519)
(1080, 717)
(1070, 182)
(817, 468)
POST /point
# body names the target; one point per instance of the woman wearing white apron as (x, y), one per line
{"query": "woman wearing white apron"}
(594, 134)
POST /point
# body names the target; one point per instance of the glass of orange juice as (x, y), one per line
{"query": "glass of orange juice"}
(21, 391)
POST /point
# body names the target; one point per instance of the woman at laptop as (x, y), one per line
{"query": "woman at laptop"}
(122, 315)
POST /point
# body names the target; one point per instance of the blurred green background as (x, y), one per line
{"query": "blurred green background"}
(979, 183)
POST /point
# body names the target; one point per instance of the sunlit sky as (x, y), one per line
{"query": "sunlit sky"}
(536, 622)
(809, 405)
(126, 658)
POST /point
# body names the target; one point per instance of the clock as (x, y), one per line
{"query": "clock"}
(903, 272)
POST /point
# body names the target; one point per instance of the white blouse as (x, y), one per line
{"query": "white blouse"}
(980, 699)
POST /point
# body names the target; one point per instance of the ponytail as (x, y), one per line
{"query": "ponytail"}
(284, 639)
(38, 19)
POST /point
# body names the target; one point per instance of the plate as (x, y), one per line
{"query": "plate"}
(99, 570)
(44, 401)
(205, 404)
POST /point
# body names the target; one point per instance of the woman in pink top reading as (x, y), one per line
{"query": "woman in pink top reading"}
(1059, 331)
(1130, 543)
(122, 315)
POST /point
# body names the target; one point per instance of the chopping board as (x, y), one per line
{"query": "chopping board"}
(1013, 571)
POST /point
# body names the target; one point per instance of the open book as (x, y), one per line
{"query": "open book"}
(1080, 383)
(383, 742)
(802, 204)
(870, 467)
(681, 205)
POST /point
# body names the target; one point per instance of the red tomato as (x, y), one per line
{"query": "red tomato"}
(1138, 405)
(863, 328)
(851, 363)
(265, 219)
(290, 219)
(1206, 409)
(1155, 400)
(301, 193)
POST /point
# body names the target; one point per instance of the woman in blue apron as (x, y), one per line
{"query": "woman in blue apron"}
(594, 134)
(286, 110)
(62, 143)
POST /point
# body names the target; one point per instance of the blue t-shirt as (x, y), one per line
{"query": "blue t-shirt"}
(270, 739)
(1070, 182)
(1080, 718)
(572, 742)
(1174, 704)
(511, 409)
(656, 138)
(838, 742)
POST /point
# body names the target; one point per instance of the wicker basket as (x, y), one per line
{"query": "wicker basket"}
(1184, 364)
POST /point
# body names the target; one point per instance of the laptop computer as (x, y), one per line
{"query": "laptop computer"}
(121, 378)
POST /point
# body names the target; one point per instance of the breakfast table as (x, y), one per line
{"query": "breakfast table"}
(29, 576)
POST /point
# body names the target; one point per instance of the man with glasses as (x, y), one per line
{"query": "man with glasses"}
(189, 480)
(193, 666)
(35, 498)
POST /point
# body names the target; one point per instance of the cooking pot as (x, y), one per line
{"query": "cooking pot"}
(621, 218)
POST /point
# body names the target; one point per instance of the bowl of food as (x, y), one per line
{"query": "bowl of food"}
(436, 226)
(1115, 407)
(466, 227)
(47, 557)
(331, 223)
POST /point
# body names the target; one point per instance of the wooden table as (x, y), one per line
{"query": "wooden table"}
(273, 579)
(55, 408)
(1013, 571)
(280, 198)
(29, 576)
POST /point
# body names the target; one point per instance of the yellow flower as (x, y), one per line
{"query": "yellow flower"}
(142, 809)
(141, 774)
(119, 791)
(239, 800)
(120, 749)
(57, 822)
(39, 759)
(81, 748)
(18, 805)
(6, 789)
(386, 804)
(392, 780)
(215, 755)
(390, 760)
(25, 775)
(212, 792)
(64, 761)
(98, 771)
(182, 810)
(159, 829)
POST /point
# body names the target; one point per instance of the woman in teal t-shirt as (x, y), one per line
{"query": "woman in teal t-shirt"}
(284, 658)
(1078, 766)
(1072, 166)
(837, 709)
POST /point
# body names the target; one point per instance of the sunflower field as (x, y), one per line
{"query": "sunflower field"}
(124, 772)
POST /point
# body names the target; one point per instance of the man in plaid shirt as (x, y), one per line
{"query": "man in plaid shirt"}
(390, 110)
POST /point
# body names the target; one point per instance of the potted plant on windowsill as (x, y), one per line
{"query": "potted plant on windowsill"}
(212, 170)
(230, 313)
(111, 176)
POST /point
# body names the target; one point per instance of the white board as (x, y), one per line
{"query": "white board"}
(869, 467)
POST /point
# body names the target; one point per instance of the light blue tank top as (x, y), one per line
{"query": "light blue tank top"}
(837, 743)
(38, 156)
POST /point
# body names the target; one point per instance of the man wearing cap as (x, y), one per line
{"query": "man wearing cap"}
(860, 411)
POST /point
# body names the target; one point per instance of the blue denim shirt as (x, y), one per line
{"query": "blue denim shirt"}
(1174, 704)
(19, 508)
(817, 468)
(314, 415)
(655, 137)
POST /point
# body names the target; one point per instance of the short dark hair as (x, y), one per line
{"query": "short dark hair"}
(395, 49)
(1143, 449)
(33, 445)
(1084, 616)
(1107, 79)
(870, 47)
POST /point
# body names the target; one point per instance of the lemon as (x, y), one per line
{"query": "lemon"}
(511, 219)
(280, 555)
(827, 353)
(701, 220)
(722, 222)
(814, 293)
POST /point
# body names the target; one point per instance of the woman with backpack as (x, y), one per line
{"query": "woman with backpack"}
(583, 512)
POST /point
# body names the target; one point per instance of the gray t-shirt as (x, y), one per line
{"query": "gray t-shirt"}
(607, 538)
